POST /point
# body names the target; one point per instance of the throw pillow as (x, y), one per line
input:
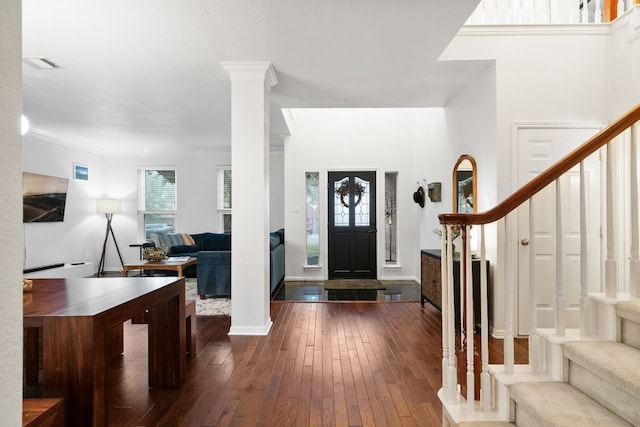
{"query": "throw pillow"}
(187, 239)
(163, 241)
(174, 239)
(183, 249)
(156, 239)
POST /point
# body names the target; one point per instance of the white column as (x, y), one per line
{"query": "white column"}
(12, 261)
(250, 291)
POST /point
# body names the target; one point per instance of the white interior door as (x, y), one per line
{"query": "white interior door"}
(538, 148)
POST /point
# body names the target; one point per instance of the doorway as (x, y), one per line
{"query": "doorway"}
(352, 225)
(538, 148)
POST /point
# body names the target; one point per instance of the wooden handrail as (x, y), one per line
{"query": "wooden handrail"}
(548, 176)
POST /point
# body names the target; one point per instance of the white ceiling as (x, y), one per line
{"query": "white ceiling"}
(141, 76)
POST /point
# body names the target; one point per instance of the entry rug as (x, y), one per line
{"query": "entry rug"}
(209, 306)
(358, 284)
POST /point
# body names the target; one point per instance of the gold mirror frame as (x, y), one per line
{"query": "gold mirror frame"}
(464, 169)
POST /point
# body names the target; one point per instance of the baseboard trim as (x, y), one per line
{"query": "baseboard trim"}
(251, 330)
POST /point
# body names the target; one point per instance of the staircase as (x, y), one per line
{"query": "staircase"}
(602, 382)
(601, 387)
(578, 375)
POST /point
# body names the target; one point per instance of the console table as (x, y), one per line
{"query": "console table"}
(431, 282)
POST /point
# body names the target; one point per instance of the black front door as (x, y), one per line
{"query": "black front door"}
(352, 225)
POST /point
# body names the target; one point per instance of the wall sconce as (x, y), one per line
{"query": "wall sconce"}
(434, 190)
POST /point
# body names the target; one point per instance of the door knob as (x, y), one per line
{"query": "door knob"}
(524, 242)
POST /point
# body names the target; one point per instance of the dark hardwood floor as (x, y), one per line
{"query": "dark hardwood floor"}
(322, 364)
(339, 364)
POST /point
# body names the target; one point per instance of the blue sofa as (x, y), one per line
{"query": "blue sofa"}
(213, 269)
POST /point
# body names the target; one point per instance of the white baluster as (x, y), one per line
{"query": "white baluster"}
(585, 11)
(534, 339)
(517, 11)
(491, 11)
(634, 263)
(621, 7)
(453, 372)
(471, 323)
(597, 18)
(574, 11)
(444, 273)
(560, 299)
(585, 302)
(611, 276)
(485, 378)
(529, 17)
(464, 337)
(547, 11)
(508, 296)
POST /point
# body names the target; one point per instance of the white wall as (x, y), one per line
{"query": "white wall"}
(471, 119)
(556, 75)
(383, 140)
(622, 85)
(544, 75)
(80, 236)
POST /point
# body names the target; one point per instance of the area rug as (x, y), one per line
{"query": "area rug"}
(209, 306)
(357, 284)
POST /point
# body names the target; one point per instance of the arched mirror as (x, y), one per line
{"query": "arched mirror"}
(464, 185)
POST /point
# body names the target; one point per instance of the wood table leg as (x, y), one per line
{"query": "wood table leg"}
(32, 350)
(167, 342)
(75, 366)
(190, 323)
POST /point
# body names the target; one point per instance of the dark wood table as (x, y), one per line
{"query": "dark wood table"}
(75, 315)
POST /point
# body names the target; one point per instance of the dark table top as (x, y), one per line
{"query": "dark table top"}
(86, 296)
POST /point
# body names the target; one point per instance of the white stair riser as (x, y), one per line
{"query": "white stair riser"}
(630, 333)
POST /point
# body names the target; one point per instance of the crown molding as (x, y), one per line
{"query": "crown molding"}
(251, 71)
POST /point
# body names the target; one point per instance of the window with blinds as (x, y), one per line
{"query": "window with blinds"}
(224, 198)
(158, 200)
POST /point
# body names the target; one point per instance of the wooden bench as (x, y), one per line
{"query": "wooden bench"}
(190, 319)
(190, 324)
(46, 412)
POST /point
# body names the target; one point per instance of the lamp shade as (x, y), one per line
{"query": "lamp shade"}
(108, 206)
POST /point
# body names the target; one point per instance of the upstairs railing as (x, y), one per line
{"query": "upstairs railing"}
(514, 12)
(453, 345)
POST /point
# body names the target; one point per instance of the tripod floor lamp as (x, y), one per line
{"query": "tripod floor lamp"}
(108, 207)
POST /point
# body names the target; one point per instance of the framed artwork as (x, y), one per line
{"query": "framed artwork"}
(80, 172)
